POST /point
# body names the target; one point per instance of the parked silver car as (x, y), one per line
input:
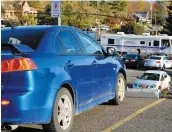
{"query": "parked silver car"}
(160, 62)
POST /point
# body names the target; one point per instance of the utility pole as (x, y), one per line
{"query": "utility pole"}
(155, 25)
(55, 21)
(151, 13)
(98, 22)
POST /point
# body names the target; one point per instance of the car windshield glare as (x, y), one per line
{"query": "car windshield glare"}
(155, 58)
(150, 76)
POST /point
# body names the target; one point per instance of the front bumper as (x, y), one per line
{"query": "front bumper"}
(143, 93)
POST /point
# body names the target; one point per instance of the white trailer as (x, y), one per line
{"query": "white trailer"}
(147, 44)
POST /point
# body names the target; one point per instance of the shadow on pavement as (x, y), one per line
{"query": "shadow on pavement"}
(26, 129)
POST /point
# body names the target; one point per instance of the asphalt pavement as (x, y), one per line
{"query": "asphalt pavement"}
(156, 119)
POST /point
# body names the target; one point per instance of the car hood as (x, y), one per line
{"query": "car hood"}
(146, 82)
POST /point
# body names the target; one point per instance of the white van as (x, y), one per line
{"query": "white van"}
(147, 44)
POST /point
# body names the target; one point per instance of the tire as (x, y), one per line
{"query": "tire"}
(137, 66)
(63, 99)
(163, 68)
(169, 86)
(118, 99)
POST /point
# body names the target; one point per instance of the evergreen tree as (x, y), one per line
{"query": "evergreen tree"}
(168, 25)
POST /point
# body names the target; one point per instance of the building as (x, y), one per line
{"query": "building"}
(10, 11)
(142, 16)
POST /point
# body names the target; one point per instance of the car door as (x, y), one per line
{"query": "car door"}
(164, 81)
(102, 66)
(78, 66)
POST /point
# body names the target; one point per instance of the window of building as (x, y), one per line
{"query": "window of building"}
(142, 42)
(165, 42)
(155, 43)
(149, 43)
(111, 41)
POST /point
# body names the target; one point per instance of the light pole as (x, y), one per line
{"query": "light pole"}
(97, 20)
(151, 13)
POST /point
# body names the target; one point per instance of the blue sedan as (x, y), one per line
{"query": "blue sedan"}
(52, 73)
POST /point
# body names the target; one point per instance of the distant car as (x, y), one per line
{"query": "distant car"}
(159, 62)
(151, 83)
(104, 27)
(133, 60)
(94, 28)
(49, 74)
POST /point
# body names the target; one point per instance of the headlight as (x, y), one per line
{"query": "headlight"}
(153, 86)
(135, 85)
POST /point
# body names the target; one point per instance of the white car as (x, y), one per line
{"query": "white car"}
(150, 84)
(94, 28)
(160, 62)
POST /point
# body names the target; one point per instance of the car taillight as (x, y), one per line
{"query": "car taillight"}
(158, 61)
(17, 64)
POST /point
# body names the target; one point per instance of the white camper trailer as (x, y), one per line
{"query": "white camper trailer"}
(147, 44)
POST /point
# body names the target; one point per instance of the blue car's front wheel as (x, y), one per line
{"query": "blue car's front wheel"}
(120, 90)
(63, 113)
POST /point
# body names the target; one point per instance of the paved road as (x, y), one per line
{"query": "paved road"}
(105, 115)
(157, 119)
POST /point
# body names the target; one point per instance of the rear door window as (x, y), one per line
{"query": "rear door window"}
(58, 46)
(111, 41)
(69, 42)
(89, 44)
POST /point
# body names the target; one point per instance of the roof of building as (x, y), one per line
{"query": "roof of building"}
(141, 14)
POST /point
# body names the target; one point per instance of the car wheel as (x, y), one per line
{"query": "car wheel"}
(163, 68)
(63, 113)
(137, 66)
(169, 86)
(120, 90)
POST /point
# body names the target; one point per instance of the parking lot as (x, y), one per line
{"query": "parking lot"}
(124, 117)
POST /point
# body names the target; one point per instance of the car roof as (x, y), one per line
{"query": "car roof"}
(39, 29)
(132, 54)
(157, 56)
(154, 71)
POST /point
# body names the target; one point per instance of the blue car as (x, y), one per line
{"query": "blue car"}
(52, 73)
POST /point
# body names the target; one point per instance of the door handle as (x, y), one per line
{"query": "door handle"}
(94, 62)
(69, 63)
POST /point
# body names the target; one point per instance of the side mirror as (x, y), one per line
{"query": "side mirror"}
(111, 51)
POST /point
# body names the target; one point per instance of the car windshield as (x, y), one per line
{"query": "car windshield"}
(128, 57)
(150, 76)
(155, 58)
